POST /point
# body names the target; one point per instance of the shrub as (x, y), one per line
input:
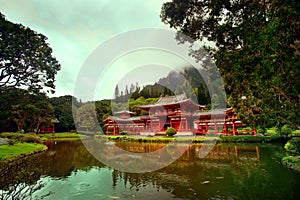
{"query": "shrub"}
(31, 139)
(11, 142)
(21, 137)
(286, 130)
(260, 131)
(293, 146)
(171, 131)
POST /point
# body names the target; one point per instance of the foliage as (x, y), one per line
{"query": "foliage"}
(188, 81)
(63, 112)
(292, 162)
(171, 131)
(252, 139)
(25, 58)
(293, 146)
(103, 110)
(134, 104)
(286, 130)
(26, 110)
(256, 48)
(22, 137)
(86, 119)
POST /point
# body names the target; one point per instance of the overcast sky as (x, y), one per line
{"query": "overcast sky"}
(76, 27)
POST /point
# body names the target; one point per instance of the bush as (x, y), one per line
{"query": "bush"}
(11, 142)
(260, 131)
(31, 139)
(171, 131)
(21, 137)
(286, 130)
(293, 146)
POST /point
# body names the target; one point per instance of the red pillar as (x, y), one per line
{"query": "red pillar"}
(233, 127)
(225, 128)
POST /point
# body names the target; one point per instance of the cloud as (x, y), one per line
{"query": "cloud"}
(75, 27)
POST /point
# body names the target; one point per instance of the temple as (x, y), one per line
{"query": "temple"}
(179, 112)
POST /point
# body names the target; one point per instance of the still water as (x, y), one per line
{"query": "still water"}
(230, 171)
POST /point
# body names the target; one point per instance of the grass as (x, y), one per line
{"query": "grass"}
(9, 151)
(38, 138)
(61, 136)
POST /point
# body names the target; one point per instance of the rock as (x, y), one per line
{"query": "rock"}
(3, 141)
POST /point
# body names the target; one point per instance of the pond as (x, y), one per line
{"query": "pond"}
(230, 171)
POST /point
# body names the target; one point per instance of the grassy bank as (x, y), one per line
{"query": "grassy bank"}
(20, 144)
(19, 149)
(61, 136)
(201, 139)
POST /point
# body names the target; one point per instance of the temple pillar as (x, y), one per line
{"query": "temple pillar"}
(233, 127)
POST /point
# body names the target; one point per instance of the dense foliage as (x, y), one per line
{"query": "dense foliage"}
(25, 58)
(23, 111)
(63, 112)
(256, 48)
(293, 146)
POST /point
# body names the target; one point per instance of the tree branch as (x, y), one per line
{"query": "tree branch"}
(283, 93)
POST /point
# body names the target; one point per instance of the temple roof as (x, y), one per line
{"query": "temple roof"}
(118, 119)
(212, 112)
(124, 111)
(171, 100)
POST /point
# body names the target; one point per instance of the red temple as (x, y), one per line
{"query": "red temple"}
(179, 112)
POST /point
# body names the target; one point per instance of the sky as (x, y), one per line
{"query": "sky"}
(75, 28)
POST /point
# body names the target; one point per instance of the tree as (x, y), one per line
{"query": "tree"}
(25, 58)
(22, 110)
(63, 112)
(86, 119)
(126, 90)
(117, 92)
(256, 50)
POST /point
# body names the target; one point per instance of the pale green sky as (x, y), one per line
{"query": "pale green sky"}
(76, 27)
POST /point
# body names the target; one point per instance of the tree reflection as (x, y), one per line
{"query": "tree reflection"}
(20, 179)
(228, 171)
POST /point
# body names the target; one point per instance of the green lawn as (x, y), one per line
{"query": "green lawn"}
(48, 136)
(8, 151)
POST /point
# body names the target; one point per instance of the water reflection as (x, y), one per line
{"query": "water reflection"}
(68, 171)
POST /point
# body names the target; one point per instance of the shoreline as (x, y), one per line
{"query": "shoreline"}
(23, 155)
(292, 163)
(155, 139)
(197, 139)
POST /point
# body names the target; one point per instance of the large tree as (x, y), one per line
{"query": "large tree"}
(256, 48)
(25, 58)
(63, 112)
(28, 111)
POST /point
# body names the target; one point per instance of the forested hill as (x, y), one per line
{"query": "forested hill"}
(188, 81)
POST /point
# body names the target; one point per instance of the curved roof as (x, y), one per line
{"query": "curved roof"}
(171, 100)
